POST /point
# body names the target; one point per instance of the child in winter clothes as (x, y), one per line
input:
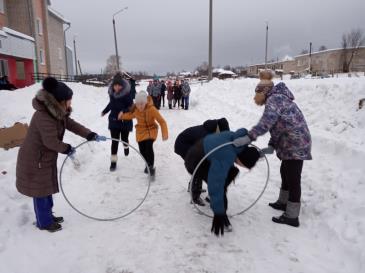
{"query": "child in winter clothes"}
(191, 136)
(290, 138)
(218, 170)
(146, 128)
(185, 90)
(36, 169)
(120, 100)
(170, 94)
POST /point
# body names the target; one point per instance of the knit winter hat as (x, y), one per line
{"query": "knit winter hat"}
(141, 97)
(265, 84)
(249, 157)
(59, 90)
(117, 79)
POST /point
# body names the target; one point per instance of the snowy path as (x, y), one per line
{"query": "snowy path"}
(167, 235)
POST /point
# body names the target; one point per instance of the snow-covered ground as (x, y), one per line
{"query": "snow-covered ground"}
(166, 234)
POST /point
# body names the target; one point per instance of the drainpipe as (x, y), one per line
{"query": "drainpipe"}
(64, 35)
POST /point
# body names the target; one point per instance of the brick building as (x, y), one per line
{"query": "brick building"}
(34, 35)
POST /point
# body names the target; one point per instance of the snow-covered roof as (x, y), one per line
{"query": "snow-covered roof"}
(287, 58)
(227, 72)
(17, 34)
(58, 15)
(185, 73)
(325, 51)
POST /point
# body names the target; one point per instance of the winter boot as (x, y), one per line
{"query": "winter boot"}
(152, 171)
(126, 151)
(57, 220)
(280, 204)
(198, 201)
(52, 227)
(227, 225)
(113, 164)
(290, 216)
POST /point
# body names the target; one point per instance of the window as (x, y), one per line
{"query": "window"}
(20, 70)
(39, 26)
(41, 56)
(4, 70)
(59, 53)
(2, 9)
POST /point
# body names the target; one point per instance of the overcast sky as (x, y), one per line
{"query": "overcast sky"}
(170, 35)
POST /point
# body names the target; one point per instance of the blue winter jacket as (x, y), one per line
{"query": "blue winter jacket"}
(120, 102)
(220, 163)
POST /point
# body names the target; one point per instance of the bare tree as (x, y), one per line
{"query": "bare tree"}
(322, 48)
(351, 42)
(111, 65)
(203, 68)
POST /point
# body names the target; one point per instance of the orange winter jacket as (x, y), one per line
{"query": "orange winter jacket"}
(146, 127)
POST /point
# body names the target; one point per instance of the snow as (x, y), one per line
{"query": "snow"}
(166, 234)
(18, 34)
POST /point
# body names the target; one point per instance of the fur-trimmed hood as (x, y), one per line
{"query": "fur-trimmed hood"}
(124, 92)
(44, 101)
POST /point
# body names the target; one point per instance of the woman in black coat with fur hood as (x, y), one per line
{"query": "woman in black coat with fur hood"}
(120, 101)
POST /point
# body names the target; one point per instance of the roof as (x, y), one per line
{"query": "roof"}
(17, 34)
(58, 15)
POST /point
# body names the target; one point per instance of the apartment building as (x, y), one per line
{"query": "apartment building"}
(33, 37)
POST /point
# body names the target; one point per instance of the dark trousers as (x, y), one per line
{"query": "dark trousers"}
(291, 172)
(146, 149)
(120, 135)
(177, 101)
(43, 210)
(185, 102)
(157, 102)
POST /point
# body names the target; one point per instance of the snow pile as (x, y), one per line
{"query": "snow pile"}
(166, 234)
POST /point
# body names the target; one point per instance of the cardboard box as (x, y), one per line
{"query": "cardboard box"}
(13, 136)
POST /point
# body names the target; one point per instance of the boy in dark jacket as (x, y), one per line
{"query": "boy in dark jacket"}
(191, 136)
(217, 170)
(120, 101)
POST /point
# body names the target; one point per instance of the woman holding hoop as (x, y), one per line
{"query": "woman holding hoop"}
(36, 169)
(290, 138)
(218, 170)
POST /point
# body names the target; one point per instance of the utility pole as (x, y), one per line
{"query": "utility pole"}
(310, 58)
(210, 69)
(75, 56)
(115, 38)
(267, 42)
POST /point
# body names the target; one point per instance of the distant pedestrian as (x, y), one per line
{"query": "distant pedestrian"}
(185, 89)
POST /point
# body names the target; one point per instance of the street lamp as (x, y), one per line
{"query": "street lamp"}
(210, 69)
(115, 37)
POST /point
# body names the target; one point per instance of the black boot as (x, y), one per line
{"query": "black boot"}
(113, 166)
(278, 206)
(57, 220)
(198, 201)
(52, 227)
(283, 219)
(227, 225)
(126, 151)
(152, 170)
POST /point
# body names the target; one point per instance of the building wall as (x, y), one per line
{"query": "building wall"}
(56, 46)
(18, 16)
(20, 71)
(39, 7)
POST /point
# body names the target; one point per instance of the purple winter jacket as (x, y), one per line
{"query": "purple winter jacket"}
(290, 135)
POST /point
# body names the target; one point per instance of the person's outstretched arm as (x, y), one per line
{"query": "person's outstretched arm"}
(163, 124)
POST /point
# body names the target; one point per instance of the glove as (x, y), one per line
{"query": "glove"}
(218, 224)
(242, 141)
(95, 137)
(70, 151)
(267, 151)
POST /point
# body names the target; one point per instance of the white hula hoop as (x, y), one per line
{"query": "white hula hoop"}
(106, 219)
(201, 162)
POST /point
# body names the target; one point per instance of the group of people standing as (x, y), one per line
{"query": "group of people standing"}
(178, 93)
